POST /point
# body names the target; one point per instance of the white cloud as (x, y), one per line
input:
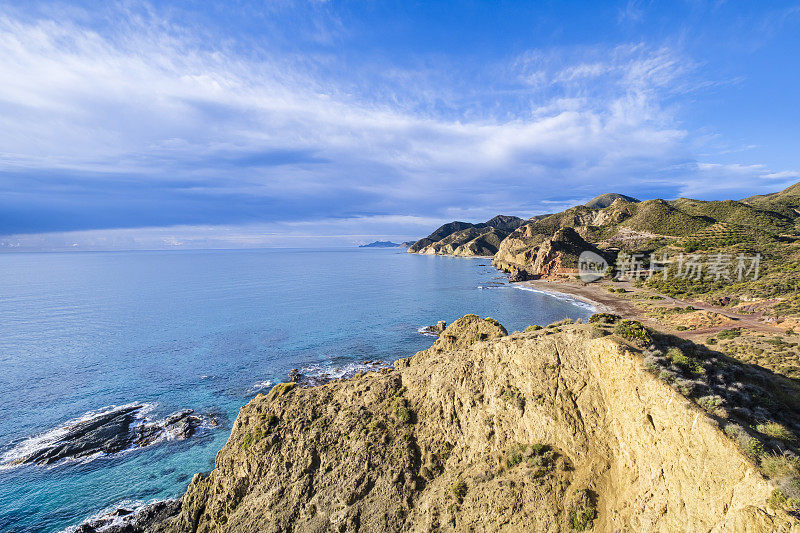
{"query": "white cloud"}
(152, 103)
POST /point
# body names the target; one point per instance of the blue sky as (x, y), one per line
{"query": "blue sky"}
(308, 123)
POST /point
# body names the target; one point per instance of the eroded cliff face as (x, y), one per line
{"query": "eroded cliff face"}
(526, 254)
(539, 431)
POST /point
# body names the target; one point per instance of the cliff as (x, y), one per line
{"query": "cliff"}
(553, 430)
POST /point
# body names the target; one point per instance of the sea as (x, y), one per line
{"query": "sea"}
(83, 332)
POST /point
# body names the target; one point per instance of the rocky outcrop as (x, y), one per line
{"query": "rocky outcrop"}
(108, 431)
(434, 331)
(468, 242)
(127, 520)
(526, 255)
(464, 239)
(380, 244)
(483, 431)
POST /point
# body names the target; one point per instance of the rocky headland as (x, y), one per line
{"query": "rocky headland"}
(569, 427)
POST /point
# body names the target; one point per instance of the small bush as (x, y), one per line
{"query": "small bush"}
(711, 403)
(247, 441)
(534, 327)
(729, 333)
(583, 511)
(632, 330)
(458, 489)
(603, 318)
(780, 466)
(775, 431)
(683, 361)
(402, 412)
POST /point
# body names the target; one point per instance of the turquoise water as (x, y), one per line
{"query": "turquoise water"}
(205, 330)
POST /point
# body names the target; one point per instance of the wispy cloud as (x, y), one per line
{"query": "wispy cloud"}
(147, 124)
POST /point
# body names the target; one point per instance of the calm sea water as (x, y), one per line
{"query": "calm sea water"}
(205, 330)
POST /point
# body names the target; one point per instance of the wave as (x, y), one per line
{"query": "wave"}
(261, 385)
(317, 374)
(560, 296)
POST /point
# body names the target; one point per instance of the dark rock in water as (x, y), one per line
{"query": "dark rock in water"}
(434, 331)
(295, 375)
(142, 520)
(107, 433)
(519, 275)
(112, 431)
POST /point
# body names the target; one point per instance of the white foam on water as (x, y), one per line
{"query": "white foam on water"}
(261, 385)
(113, 521)
(347, 370)
(559, 296)
(425, 331)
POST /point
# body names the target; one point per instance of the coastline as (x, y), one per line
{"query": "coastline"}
(599, 302)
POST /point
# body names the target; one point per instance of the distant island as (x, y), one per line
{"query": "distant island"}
(385, 244)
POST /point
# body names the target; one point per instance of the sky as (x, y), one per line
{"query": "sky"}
(289, 123)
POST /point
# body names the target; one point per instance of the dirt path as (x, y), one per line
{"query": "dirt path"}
(604, 301)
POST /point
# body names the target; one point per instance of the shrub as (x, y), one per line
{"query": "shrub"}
(683, 361)
(270, 419)
(247, 441)
(583, 511)
(632, 330)
(779, 500)
(711, 403)
(514, 456)
(780, 466)
(402, 412)
(534, 327)
(603, 318)
(458, 489)
(492, 321)
(775, 431)
(729, 333)
(754, 448)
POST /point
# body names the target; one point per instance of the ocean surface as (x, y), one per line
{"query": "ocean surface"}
(204, 330)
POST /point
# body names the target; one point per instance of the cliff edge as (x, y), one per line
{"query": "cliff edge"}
(553, 430)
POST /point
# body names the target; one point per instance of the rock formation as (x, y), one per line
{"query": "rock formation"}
(544, 431)
(526, 255)
(111, 431)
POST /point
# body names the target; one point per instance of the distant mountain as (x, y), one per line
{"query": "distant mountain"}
(605, 200)
(463, 238)
(381, 244)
